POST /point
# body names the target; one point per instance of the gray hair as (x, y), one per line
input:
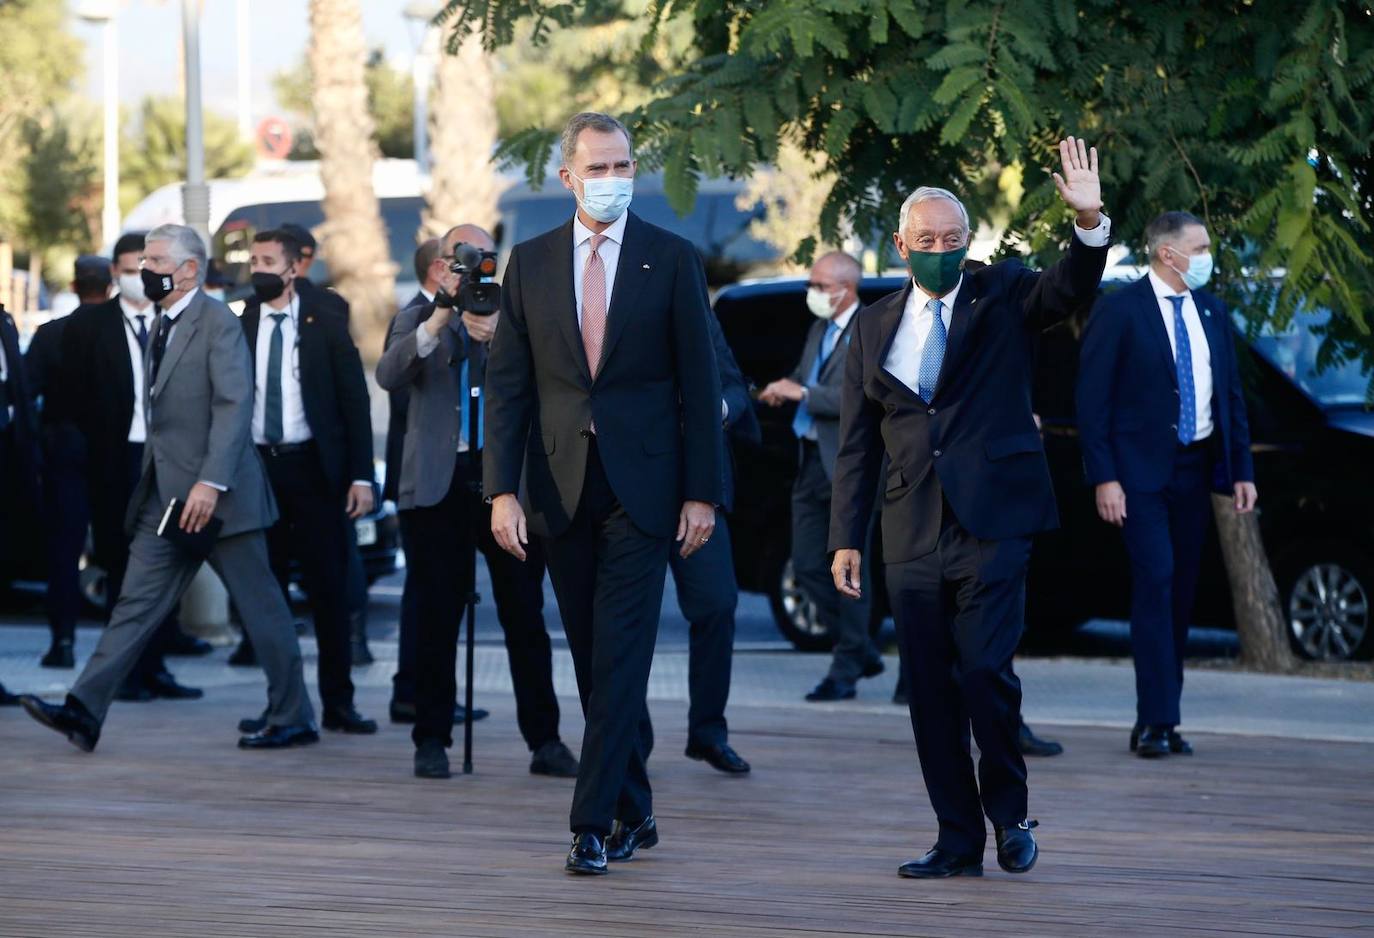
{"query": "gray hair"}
(185, 244)
(590, 120)
(926, 194)
(1166, 228)
(846, 268)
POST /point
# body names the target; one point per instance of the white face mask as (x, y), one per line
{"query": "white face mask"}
(820, 303)
(131, 288)
(605, 198)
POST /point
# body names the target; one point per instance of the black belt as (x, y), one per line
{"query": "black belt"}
(1204, 443)
(287, 449)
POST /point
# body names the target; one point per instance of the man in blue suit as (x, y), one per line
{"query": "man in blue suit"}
(1162, 420)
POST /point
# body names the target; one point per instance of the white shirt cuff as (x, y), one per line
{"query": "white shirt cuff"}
(724, 410)
(367, 482)
(214, 485)
(1095, 237)
(425, 342)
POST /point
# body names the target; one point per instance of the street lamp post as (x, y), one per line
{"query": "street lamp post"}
(195, 194)
(102, 12)
(425, 39)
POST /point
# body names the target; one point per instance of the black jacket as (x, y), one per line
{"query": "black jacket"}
(97, 380)
(656, 399)
(333, 390)
(24, 426)
(976, 438)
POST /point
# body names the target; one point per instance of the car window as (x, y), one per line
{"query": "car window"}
(1328, 370)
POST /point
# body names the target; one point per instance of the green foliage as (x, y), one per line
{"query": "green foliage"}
(390, 99)
(1254, 114)
(154, 154)
(61, 173)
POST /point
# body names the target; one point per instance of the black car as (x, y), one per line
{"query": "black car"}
(1312, 436)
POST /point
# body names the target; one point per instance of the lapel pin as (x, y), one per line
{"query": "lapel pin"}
(646, 266)
(309, 320)
(1207, 312)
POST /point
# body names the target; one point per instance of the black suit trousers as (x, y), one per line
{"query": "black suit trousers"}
(608, 576)
(438, 541)
(66, 508)
(959, 613)
(313, 528)
(707, 595)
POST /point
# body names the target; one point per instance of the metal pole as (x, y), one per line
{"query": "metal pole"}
(421, 73)
(109, 216)
(245, 90)
(195, 194)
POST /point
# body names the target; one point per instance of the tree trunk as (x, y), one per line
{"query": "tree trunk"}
(353, 236)
(1254, 594)
(464, 184)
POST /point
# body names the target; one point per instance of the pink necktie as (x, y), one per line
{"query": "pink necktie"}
(594, 305)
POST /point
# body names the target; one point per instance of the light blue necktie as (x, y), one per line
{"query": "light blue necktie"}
(271, 416)
(803, 421)
(1183, 365)
(933, 355)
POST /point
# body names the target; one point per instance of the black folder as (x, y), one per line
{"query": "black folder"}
(194, 544)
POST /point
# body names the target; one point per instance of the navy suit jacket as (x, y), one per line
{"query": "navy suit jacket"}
(655, 399)
(333, 388)
(1128, 393)
(975, 442)
(741, 423)
(25, 425)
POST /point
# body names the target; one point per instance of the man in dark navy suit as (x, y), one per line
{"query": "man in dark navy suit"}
(1161, 416)
(19, 453)
(938, 380)
(604, 395)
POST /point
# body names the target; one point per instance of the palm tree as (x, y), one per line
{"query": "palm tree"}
(353, 236)
(464, 185)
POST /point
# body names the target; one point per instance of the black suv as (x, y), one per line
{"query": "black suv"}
(1313, 440)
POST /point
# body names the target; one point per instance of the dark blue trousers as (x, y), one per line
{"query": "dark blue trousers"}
(1164, 531)
(707, 595)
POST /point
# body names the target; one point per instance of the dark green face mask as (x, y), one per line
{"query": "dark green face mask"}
(937, 272)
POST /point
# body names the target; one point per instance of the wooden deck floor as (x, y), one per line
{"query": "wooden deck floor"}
(170, 830)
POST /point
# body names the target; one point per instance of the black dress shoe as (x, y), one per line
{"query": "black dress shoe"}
(404, 712)
(873, 668)
(181, 645)
(244, 656)
(164, 685)
(71, 719)
(281, 737)
(941, 864)
(1016, 848)
(1153, 742)
(252, 725)
(7, 699)
(1032, 745)
(555, 759)
(1178, 745)
(348, 720)
(587, 856)
(719, 756)
(625, 840)
(831, 690)
(60, 655)
(431, 761)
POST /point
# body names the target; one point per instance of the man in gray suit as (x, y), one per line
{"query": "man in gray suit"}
(198, 403)
(832, 295)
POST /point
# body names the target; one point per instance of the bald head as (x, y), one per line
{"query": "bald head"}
(837, 275)
(471, 234)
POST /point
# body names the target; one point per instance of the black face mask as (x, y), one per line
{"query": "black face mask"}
(267, 286)
(157, 287)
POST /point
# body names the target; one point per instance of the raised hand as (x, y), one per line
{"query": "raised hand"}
(1079, 186)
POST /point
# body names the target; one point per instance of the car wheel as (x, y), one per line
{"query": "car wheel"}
(1326, 600)
(796, 615)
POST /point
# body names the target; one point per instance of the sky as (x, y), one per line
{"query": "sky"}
(149, 33)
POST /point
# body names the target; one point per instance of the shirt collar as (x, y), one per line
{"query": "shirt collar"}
(429, 297)
(947, 301)
(177, 308)
(842, 320)
(614, 233)
(130, 312)
(1162, 289)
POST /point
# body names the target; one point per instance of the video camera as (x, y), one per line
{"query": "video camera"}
(479, 294)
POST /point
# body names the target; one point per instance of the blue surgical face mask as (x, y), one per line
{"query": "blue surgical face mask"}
(605, 198)
(1199, 271)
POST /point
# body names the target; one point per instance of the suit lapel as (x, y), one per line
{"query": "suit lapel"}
(186, 325)
(630, 274)
(1148, 306)
(252, 318)
(114, 342)
(563, 298)
(836, 358)
(961, 320)
(888, 321)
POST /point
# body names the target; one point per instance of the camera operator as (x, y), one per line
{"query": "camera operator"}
(432, 351)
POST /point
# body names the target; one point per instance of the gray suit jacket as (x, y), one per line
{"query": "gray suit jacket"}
(200, 416)
(823, 395)
(433, 418)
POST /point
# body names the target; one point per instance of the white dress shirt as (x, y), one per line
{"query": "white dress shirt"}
(138, 427)
(5, 375)
(1197, 345)
(904, 358)
(294, 427)
(609, 251)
